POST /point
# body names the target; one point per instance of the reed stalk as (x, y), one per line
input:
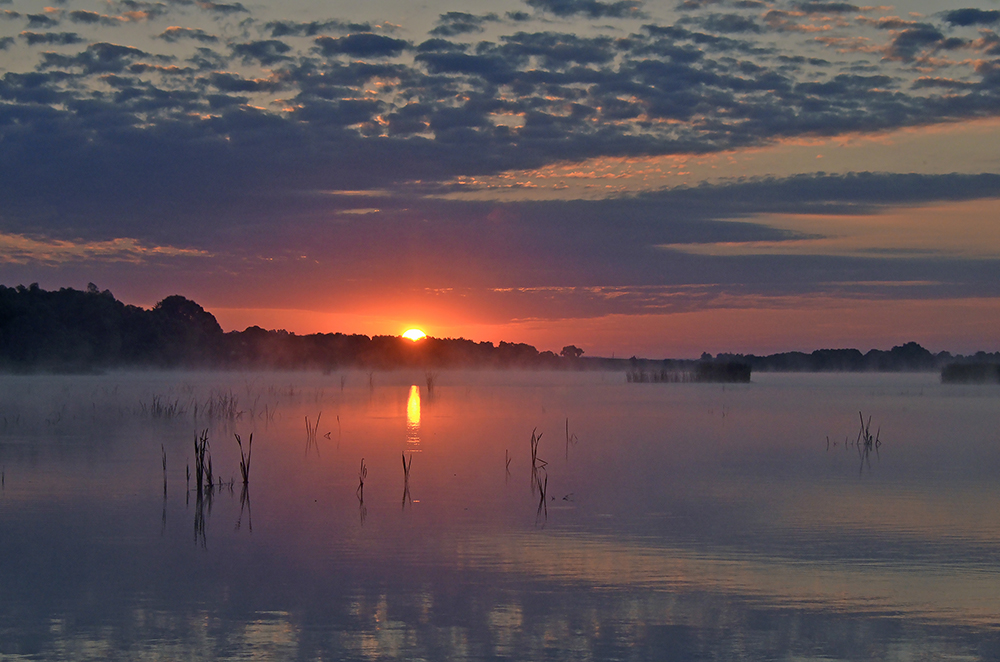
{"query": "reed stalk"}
(245, 458)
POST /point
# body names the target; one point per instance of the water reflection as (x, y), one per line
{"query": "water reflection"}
(413, 419)
(690, 535)
(406, 480)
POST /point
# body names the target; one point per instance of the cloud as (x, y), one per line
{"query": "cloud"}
(93, 18)
(362, 45)
(693, 5)
(280, 29)
(913, 40)
(965, 17)
(175, 33)
(334, 114)
(818, 7)
(589, 8)
(729, 23)
(48, 20)
(265, 51)
(101, 57)
(455, 23)
(224, 8)
(21, 249)
(6, 42)
(51, 38)
(230, 82)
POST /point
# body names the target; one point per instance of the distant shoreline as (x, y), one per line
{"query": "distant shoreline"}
(84, 332)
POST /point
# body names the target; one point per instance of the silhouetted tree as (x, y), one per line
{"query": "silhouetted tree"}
(571, 352)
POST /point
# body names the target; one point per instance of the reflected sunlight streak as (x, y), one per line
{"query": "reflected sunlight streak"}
(413, 419)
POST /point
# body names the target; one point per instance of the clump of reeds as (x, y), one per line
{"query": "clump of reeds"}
(865, 438)
(245, 458)
(222, 405)
(406, 478)
(202, 463)
(245, 489)
(537, 463)
(865, 442)
(311, 428)
(543, 504)
(157, 407)
(535, 460)
(570, 438)
(362, 474)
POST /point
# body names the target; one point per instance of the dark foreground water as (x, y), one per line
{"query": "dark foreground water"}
(679, 521)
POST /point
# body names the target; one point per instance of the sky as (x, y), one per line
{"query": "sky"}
(635, 178)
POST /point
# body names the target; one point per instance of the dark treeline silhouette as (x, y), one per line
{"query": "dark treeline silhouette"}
(909, 357)
(82, 331)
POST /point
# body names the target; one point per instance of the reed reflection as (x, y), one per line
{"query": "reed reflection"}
(413, 419)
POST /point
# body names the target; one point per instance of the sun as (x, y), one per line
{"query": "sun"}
(414, 334)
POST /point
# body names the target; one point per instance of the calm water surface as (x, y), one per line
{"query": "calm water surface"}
(658, 521)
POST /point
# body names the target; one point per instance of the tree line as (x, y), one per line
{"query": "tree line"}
(71, 330)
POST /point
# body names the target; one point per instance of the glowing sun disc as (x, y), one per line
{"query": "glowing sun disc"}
(414, 334)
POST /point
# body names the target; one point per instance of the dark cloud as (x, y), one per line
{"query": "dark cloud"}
(224, 8)
(313, 28)
(176, 133)
(93, 18)
(518, 16)
(362, 45)
(9, 15)
(173, 34)
(589, 8)
(230, 82)
(966, 17)
(729, 23)
(265, 51)
(455, 23)
(910, 42)
(890, 23)
(944, 83)
(6, 42)
(42, 21)
(819, 7)
(692, 5)
(207, 59)
(51, 38)
(433, 45)
(101, 57)
(556, 50)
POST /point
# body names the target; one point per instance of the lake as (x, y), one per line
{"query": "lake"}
(655, 521)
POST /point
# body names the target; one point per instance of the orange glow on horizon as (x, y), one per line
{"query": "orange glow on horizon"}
(414, 334)
(761, 325)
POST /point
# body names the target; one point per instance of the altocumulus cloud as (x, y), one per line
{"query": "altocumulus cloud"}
(255, 123)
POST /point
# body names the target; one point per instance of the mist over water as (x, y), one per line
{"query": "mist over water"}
(657, 521)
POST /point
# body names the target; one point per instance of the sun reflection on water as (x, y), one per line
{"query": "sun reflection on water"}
(413, 419)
